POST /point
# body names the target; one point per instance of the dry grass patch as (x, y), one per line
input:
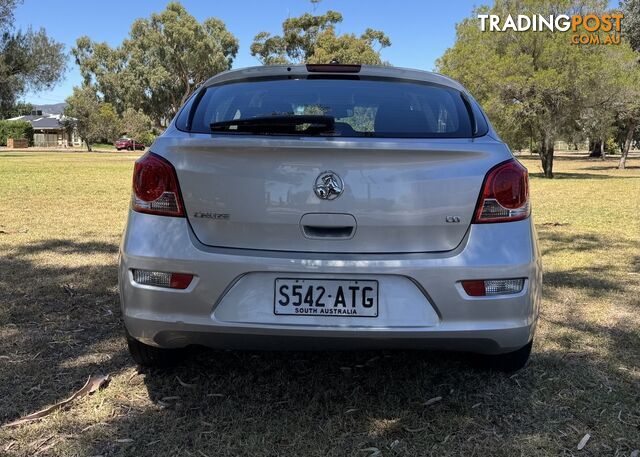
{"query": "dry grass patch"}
(61, 217)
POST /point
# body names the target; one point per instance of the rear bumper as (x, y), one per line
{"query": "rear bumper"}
(230, 302)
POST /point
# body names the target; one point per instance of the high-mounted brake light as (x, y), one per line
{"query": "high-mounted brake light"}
(505, 194)
(333, 68)
(155, 187)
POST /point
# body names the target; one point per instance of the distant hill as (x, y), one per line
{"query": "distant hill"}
(53, 108)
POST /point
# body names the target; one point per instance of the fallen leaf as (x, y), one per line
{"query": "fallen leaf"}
(431, 401)
(170, 398)
(93, 383)
(124, 440)
(42, 449)
(374, 451)
(372, 360)
(583, 442)
(184, 384)
(415, 430)
(351, 410)
(41, 442)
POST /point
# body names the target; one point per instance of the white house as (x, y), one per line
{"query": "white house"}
(48, 130)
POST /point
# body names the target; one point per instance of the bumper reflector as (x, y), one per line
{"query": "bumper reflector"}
(162, 279)
(490, 287)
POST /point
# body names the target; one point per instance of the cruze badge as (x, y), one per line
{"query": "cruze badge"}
(328, 185)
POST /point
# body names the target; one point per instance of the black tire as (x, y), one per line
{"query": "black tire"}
(507, 363)
(130, 148)
(151, 356)
(118, 149)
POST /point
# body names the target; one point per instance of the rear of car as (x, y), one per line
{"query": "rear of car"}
(318, 207)
(128, 144)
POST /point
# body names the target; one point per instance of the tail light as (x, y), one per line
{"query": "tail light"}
(505, 194)
(489, 287)
(162, 279)
(155, 187)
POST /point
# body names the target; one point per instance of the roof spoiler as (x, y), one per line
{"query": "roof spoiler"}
(333, 68)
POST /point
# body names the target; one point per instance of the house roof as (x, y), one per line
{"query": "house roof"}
(42, 122)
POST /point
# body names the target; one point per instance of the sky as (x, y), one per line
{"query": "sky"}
(420, 30)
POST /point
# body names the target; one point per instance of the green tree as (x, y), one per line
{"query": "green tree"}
(7, 8)
(105, 123)
(628, 82)
(86, 112)
(29, 61)
(15, 129)
(631, 28)
(19, 109)
(533, 84)
(138, 126)
(80, 109)
(312, 38)
(162, 61)
(626, 85)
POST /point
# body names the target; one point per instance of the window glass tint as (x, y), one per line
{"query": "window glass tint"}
(378, 108)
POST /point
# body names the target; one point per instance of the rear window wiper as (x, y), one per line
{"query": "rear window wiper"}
(280, 123)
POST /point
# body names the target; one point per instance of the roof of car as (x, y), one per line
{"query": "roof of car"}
(384, 71)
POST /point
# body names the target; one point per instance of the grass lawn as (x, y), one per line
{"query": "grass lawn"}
(61, 217)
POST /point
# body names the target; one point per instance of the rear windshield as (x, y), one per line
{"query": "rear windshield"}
(373, 108)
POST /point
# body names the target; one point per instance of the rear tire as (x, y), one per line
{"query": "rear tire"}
(151, 356)
(507, 363)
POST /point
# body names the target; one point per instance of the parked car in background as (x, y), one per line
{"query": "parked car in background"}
(129, 144)
(331, 206)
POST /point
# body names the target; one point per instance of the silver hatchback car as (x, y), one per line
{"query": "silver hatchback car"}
(330, 207)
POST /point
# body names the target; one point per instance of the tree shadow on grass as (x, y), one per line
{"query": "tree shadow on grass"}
(403, 402)
(324, 404)
(553, 241)
(304, 404)
(58, 323)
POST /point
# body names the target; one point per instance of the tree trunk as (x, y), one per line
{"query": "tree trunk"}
(546, 155)
(88, 146)
(603, 155)
(627, 146)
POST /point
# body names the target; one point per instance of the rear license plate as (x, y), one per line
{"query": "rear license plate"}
(326, 297)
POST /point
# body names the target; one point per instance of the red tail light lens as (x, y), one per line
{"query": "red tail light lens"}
(474, 288)
(155, 187)
(505, 194)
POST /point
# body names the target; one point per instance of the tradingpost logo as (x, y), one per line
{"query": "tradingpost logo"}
(585, 29)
